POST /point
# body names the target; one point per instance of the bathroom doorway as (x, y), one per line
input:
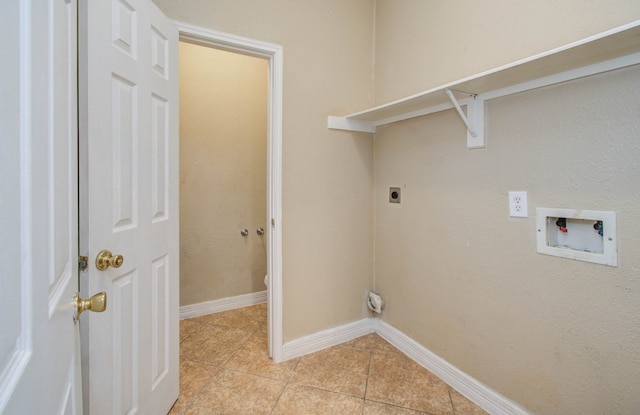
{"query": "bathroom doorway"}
(223, 174)
(203, 234)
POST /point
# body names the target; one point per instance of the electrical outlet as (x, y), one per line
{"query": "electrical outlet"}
(518, 205)
(394, 195)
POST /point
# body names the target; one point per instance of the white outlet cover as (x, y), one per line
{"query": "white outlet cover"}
(518, 205)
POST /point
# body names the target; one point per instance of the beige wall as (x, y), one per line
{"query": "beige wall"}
(223, 166)
(421, 44)
(327, 175)
(461, 277)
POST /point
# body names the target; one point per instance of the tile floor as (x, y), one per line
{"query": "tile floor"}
(224, 369)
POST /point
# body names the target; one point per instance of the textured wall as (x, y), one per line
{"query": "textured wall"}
(556, 336)
(421, 44)
(223, 168)
(327, 175)
(461, 277)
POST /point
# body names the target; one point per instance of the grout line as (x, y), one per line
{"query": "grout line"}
(453, 409)
(235, 352)
(295, 367)
(417, 411)
(252, 374)
(190, 401)
(304, 385)
(275, 405)
(366, 384)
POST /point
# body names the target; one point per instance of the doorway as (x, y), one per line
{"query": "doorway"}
(223, 175)
(273, 54)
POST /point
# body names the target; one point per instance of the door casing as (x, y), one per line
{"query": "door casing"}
(274, 54)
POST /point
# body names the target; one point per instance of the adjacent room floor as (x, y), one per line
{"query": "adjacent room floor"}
(224, 369)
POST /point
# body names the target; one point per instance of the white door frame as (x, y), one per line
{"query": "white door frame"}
(274, 54)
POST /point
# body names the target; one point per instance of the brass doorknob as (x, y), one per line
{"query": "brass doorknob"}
(97, 303)
(105, 260)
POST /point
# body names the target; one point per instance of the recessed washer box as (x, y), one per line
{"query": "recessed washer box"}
(584, 235)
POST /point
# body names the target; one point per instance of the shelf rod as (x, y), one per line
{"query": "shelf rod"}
(460, 112)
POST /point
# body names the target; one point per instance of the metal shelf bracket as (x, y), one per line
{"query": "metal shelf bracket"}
(473, 119)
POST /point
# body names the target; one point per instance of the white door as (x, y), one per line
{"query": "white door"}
(39, 341)
(129, 204)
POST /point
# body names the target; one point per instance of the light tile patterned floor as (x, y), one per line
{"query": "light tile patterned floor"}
(224, 369)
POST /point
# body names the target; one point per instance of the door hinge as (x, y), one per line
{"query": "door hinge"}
(83, 263)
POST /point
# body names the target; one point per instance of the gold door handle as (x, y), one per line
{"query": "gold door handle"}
(97, 303)
(105, 260)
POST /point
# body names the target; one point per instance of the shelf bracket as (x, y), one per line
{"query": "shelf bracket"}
(473, 119)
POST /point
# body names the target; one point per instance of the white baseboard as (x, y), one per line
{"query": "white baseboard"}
(478, 393)
(483, 396)
(223, 304)
(327, 338)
